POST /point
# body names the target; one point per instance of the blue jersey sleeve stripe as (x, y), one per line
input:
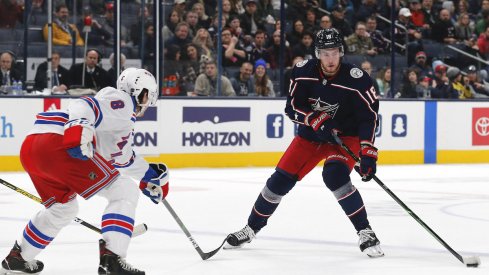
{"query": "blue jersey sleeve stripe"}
(93, 103)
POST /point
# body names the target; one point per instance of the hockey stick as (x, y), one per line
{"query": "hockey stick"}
(472, 261)
(138, 229)
(203, 255)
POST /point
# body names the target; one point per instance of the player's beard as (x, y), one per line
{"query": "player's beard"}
(329, 71)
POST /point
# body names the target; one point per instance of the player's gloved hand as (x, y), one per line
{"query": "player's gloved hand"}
(368, 162)
(155, 183)
(79, 138)
(323, 125)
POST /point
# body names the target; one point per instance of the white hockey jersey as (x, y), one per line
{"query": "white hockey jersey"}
(112, 113)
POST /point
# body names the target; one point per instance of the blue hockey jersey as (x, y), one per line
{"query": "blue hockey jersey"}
(348, 97)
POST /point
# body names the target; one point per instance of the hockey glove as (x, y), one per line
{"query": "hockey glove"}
(155, 183)
(323, 124)
(78, 139)
(368, 162)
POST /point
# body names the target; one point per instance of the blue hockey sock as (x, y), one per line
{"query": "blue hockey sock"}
(351, 201)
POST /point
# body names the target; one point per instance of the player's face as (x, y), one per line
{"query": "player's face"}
(330, 60)
(142, 106)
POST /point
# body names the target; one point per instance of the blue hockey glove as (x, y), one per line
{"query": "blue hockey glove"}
(155, 183)
(323, 125)
(368, 162)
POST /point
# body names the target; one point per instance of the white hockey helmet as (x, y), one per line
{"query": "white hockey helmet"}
(136, 82)
(122, 80)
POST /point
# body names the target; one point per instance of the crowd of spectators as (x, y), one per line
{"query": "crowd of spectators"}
(251, 45)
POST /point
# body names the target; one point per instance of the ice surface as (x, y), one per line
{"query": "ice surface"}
(308, 234)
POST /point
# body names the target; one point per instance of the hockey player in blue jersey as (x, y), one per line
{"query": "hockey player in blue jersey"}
(325, 95)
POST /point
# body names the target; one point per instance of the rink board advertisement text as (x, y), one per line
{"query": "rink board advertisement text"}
(234, 133)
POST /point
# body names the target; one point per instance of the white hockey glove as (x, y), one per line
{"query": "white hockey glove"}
(79, 138)
(155, 183)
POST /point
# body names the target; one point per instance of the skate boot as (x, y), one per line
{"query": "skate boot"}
(113, 264)
(369, 244)
(15, 264)
(239, 238)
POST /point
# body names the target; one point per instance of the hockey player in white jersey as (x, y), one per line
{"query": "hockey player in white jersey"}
(86, 150)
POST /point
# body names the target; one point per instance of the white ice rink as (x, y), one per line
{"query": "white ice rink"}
(308, 234)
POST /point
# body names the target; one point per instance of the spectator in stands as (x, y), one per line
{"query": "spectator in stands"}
(482, 23)
(172, 73)
(376, 36)
(233, 54)
(204, 41)
(192, 20)
(172, 21)
(113, 71)
(203, 20)
(295, 35)
(305, 48)
(237, 6)
(191, 57)
(429, 14)
(242, 82)
(367, 66)
(457, 85)
(206, 83)
(444, 30)
(8, 70)
(478, 87)
(339, 22)
(310, 22)
(441, 89)
(258, 50)
(463, 8)
(107, 23)
(367, 9)
(425, 87)
(265, 11)
(234, 25)
(479, 9)
(226, 9)
(483, 43)
(410, 88)
(360, 42)
(295, 10)
(143, 18)
(149, 47)
(413, 43)
(384, 82)
(215, 25)
(182, 36)
(325, 22)
(421, 65)
(274, 52)
(465, 30)
(62, 29)
(250, 21)
(96, 77)
(179, 6)
(190, 68)
(96, 34)
(59, 77)
(261, 82)
(11, 13)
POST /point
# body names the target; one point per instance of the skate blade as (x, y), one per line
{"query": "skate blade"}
(8, 272)
(374, 251)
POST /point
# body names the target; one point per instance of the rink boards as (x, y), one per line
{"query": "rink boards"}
(205, 132)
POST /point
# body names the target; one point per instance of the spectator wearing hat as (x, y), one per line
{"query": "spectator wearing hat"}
(106, 25)
(421, 65)
(261, 82)
(179, 6)
(440, 84)
(360, 42)
(413, 43)
(479, 88)
(426, 88)
(250, 21)
(339, 21)
(458, 89)
(444, 30)
(242, 82)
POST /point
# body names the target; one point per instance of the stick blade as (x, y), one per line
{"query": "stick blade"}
(472, 261)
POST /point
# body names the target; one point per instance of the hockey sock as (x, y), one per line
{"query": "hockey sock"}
(351, 201)
(44, 227)
(277, 186)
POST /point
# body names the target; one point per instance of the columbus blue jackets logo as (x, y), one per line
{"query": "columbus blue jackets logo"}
(356, 73)
(301, 64)
(321, 106)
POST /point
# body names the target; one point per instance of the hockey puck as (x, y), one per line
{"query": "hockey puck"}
(473, 265)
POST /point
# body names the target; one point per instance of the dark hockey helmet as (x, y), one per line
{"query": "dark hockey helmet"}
(328, 39)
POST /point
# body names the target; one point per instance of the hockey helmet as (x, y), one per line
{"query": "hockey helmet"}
(328, 39)
(137, 81)
(122, 80)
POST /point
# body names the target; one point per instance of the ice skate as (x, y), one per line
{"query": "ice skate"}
(112, 264)
(369, 244)
(15, 264)
(239, 238)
